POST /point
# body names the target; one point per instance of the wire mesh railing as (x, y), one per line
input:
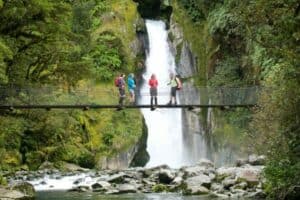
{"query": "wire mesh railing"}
(12, 96)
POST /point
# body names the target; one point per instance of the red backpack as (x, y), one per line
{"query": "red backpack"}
(117, 81)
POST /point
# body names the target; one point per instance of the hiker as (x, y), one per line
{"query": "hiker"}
(175, 85)
(121, 85)
(153, 83)
(131, 87)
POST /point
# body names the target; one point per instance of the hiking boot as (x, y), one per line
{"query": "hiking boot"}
(170, 103)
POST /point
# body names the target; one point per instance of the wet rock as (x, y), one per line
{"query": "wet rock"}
(259, 194)
(177, 180)
(228, 182)
(217, 187)
(166, 176)
(80, 188)
(101, 186)
(193, 171)
(46, 166)
(7, 194)
(26, 188)
(74, 168)
(80, 180)
(257, 160)
(201, 180)
(226, 171)
(249, 175)
(206, 163)
(242, 185)
(197, 190)
(240, 162)
(127, 188)
(117, 178)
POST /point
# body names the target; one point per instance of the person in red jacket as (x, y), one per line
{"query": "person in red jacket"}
(153, 83)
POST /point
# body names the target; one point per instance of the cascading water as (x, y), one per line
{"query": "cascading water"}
(164, 143)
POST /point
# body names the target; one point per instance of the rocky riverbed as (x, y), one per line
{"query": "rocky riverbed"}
(243, 180)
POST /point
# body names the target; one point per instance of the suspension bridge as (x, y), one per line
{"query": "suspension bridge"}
(100, 98)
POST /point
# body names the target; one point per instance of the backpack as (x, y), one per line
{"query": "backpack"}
(179, 84)
(117, 81)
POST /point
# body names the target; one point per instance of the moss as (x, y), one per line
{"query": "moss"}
(160, 188)
(199, 39)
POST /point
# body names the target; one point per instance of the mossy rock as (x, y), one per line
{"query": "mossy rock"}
(160, 188)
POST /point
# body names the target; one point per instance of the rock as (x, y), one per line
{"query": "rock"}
(242, 185)
(197, 190)
(177, 181)
(117, 178)
(228, 182)
(226, 171)
(152, 170)
(241, 162)
(206, 163)
(193, 171)
(217, 187)
(259, 194)
(166, 176)
(46, 166)
(256, 160)
(26, 188)
(201, 180)
(127, 188)
(80, 188)
(7, 194)
(80, 180)
(249, 175)
(74, 168)
(101, 186)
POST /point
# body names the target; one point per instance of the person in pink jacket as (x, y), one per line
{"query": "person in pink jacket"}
(153, 83)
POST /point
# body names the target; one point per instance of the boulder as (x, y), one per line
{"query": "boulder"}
(249, 175)
(117, 178)
(7, 194)
(127, 188)
(177, 180)
(240, 162)
(165, 176)
(196, 190)
(74, 168)
(228, 182)
(101, 186)
(206, 163)
(193, 171)
(25, 188)
(201, 180)
(256, 160)
(47, 166)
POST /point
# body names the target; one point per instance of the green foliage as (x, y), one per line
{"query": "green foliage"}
(258, 43)
(106, 56)
(198, 9)
(227, 73)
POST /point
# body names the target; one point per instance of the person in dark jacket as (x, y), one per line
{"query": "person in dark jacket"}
(153, 83)
(121, 86)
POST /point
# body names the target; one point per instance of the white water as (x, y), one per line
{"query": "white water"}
(164, 125)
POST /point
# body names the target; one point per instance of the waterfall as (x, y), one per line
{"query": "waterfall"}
(164, 143)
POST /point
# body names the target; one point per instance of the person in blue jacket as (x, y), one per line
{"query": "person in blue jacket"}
(131, 87)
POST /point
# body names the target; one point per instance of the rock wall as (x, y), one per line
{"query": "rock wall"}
(186, 64)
